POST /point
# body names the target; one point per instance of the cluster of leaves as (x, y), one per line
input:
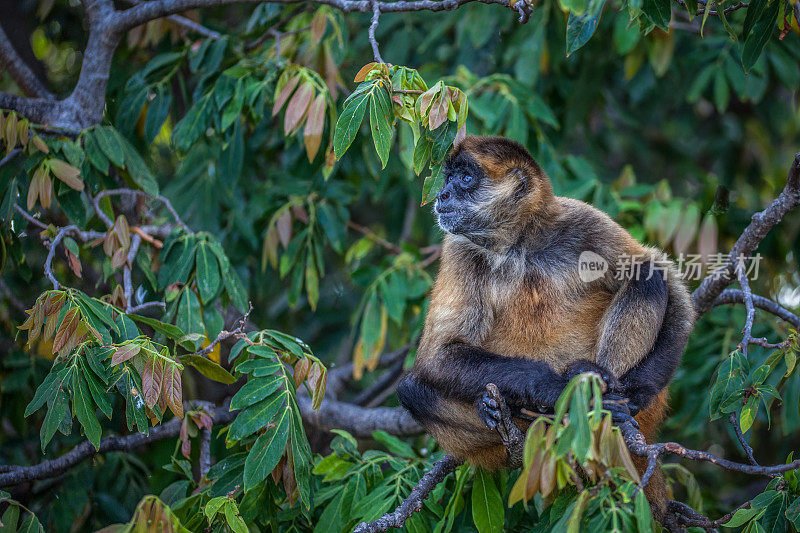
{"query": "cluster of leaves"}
(583, 449)
(436, 115)
(361, 487)
(395, 293)
(269, 422)
(303, 250)
(775, 509)
(17, 517)
(741, 384)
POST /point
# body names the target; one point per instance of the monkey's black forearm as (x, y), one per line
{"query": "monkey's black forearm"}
(463, 372)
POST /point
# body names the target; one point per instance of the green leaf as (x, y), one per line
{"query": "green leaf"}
(208, 368)
(742, 516)
(83, 406)
(581, 28)
(110, 142)
(156, 114)
(208, 277)
(659, 12)
(254, 391)
(748, 414)
(257, 416)
(266, 452)
(169, 330)
(754, 12)
(487, 503)
(762, 31)
(394, 445)
(350, 120)
(380, 122)
(188, 317)
(56, 412)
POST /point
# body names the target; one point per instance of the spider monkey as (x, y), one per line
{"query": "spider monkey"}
(516, 303)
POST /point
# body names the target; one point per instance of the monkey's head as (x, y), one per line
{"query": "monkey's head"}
(491, 185)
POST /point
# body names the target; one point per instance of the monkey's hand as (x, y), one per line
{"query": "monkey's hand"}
(583, 366)
(614, 400)
(494, 412)
(621, 410)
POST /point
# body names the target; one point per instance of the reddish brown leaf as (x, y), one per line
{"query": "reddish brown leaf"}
(11, 131)
(119, 258)
(271, 247)
(301, 369)
(33, 190)
(66, 173)
(50, 327)
(124, 353)
(438, 113)
(173, 389)
(312, 134)
(297, 107)
(284, 94)
(300, 213)
(45, 191)
(186, 444)
(123, 231)
(54, 303)
(361, 75)
(74, 263)
(109, 243)
(40, 144)
(152, 374)
(284, 225)
(66, 329)
(318, 24)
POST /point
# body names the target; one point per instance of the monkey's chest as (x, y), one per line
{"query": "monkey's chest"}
(544, 322)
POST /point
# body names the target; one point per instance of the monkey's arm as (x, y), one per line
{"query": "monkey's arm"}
(644, 333)
(462, 372)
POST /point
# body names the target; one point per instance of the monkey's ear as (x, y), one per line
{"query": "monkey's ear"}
(522, 179)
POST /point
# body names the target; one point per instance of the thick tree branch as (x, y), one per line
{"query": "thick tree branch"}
(413, 503)
(47, 469)
(19, 70)
(762, 222)
(360, 421)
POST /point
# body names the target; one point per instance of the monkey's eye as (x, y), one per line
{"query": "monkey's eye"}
(448, 179)
(466, 178)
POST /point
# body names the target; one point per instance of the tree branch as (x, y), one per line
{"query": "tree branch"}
(761, 223)
(54, 467)
(376, 15)
(413, 503)
(19, 70)
(144, 12)
(734, 296)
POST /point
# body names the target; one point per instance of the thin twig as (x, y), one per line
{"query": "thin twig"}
(238, 330)
(748, 450)
(413, 502)
(741, 272)
(10, 155)
(376, 14)
(141, 307)
(127, 285)
(117, 192)
(48, 269)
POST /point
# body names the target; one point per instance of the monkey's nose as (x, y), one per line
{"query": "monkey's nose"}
(443, 195)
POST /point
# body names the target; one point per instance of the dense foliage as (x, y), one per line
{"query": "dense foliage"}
(239, 172)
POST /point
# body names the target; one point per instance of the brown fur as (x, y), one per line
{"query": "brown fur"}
(486, 298)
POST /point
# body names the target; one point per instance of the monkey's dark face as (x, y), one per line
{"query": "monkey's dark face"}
(466, 189)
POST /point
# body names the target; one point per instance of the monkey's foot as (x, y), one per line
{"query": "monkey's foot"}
(494, 412)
